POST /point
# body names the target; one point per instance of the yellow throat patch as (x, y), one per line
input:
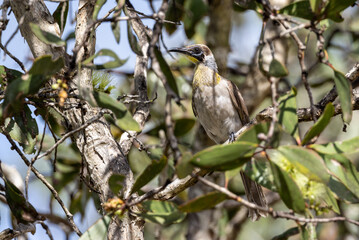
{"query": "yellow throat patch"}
(205, 76)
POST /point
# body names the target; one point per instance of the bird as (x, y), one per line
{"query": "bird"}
(220, 109)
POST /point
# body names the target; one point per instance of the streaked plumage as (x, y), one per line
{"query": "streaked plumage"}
(220, 109)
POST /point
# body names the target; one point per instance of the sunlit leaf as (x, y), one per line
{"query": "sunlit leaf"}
(116, 62)
(162, 212)
(344, 89)
(306, 161)
(97, 8)
(347, 146)
(46, 37)
(203, 202)
(98, 230)
(224, 157)
(149, 173)
(124, 117)
(320, 125)
(60, 15)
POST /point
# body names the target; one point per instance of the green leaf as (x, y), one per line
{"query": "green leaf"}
(149, 173)
(347, 146)
(194, 10)
(98, 230)
(135, 47)
(224, 157)
(287, 116)
(25, 130)
(316, 6)
(116, 182)
(344, 89)
(97, 8)
(276, 69)
(166, 71)
(203, 202)
(299, 9)
(23, 211)
(341, 191)
(260, 172)
(7, 75)
(184, 167)
(344, 171)
(46, 37)
(320, 125)
(251, 135)
(116, 62)
(306, 161)
(60, 15)
(164, 213)
(174, 13)
(334, 7)
(288, 189)
(115, 27)
(125, 120)
(183, 126)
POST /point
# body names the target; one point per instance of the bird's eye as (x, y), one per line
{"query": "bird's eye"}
(197, 50)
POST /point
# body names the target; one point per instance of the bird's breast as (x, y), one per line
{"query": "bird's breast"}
(215, 111)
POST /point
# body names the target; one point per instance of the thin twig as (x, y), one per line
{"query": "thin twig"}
(13, 57)
(270, 211)
(43, 179)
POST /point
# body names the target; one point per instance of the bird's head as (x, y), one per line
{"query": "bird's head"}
(198, 54)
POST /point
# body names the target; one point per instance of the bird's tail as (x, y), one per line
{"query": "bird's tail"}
(255, 195)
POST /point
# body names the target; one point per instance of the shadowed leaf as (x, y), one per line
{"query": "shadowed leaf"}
(166, 71)
(276, 69)
(320, 125)
(203, 202)
(149, 173)
(288, 189)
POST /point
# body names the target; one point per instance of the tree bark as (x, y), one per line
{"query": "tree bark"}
(100, 152)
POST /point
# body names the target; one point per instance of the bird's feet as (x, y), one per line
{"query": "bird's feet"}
(232, 137)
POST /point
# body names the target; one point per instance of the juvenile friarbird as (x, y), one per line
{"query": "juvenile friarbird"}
(220, 108)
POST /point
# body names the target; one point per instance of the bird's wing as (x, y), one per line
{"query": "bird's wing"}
(194, 107)
(238, 101)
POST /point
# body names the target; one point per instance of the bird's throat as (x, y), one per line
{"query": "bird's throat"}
(205, 76)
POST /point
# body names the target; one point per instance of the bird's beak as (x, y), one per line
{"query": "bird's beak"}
(181, 50)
